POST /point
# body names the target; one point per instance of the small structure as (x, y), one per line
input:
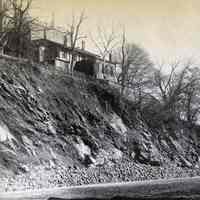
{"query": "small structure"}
(51, 52)
(53, 48)
(49, 45)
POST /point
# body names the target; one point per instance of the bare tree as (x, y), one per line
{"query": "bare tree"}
(179, 91)
(75, 35)
(124, 65)
(4, 25)
(170, 86)
(190, 106)
(135, 65)
(105, 42)
(21, 24)
(18, 26)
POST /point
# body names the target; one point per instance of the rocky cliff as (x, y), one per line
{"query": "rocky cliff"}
(50, 121)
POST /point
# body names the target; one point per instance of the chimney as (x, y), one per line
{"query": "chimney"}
(83, 45)
(45, 33)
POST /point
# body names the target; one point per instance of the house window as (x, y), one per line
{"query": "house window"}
(61, 54)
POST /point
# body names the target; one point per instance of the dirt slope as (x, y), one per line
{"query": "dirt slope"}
(50, 119)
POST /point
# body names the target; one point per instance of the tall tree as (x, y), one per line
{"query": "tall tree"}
(75, 35)
(21, 24)
(135, 65)
(4, 24)
(17, 24)
(105, 42)
(179, 91)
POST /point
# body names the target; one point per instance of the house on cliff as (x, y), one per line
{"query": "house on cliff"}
(52, 47)
(48, 45)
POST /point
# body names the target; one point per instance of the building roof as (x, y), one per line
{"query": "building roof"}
(55, 36)
(77, 50)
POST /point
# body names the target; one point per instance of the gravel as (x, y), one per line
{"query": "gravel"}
(44, 177)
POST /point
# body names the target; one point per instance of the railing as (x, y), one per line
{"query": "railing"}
(12, 58)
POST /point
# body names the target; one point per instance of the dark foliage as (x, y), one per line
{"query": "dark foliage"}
(86, 66)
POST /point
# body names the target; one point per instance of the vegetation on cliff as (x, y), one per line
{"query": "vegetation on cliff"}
(59, 124)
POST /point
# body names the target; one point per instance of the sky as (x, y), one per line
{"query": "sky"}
(167, 29)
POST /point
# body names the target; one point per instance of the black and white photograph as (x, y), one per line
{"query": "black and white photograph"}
(99, 100)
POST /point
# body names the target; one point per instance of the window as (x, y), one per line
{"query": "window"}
(61, 54)
(41, 53)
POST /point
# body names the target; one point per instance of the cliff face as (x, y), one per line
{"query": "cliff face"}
(49, 118)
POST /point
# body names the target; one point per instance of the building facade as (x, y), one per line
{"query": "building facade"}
(52, 47)
(49, 45)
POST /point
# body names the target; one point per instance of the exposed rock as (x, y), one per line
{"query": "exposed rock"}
(53, 121)
(5, 135)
